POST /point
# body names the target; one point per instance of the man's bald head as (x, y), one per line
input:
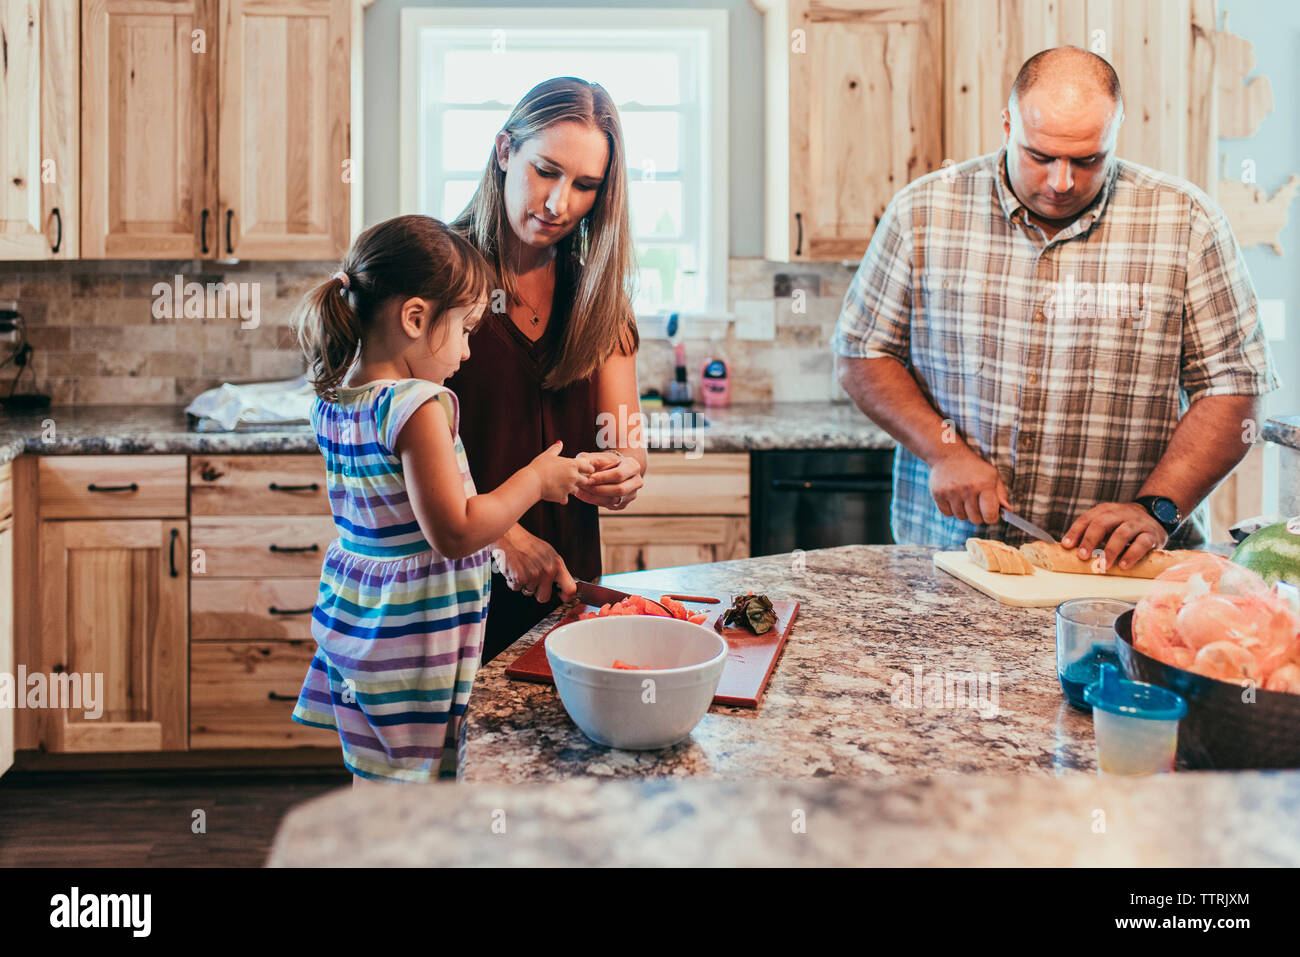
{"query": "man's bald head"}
(1068, 67)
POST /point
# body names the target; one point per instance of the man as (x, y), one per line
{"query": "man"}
(1030, 325)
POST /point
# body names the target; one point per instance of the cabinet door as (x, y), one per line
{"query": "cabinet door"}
(148, 129)
(39, 110)
(634, 543)
(285, 114)
(865, 114)
(7, 644)
(114, 607)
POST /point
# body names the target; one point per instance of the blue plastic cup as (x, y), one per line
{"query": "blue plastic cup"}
(1135, 724)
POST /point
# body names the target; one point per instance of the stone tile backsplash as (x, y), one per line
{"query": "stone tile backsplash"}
(98, 340)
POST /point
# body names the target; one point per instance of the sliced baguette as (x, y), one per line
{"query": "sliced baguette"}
(1058, 558)
(997, 557)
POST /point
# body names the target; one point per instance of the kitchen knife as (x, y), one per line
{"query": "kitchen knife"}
(1029, 527)
(595, 595)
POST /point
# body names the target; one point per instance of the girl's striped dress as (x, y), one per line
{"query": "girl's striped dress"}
(398, 626)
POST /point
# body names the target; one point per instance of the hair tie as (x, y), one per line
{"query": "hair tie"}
(342, 277)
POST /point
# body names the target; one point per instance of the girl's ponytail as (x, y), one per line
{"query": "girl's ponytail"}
(329, 332)
(401, 257)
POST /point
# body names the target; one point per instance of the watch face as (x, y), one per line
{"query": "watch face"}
(1166, 511)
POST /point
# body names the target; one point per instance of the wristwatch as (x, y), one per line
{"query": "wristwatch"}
(1163, 510)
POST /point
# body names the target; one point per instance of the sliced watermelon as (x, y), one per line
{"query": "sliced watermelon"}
(1273, 552)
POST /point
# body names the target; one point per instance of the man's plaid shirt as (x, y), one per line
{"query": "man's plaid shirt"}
(1064, 363)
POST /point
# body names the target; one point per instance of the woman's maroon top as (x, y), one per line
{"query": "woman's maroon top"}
(507, 419)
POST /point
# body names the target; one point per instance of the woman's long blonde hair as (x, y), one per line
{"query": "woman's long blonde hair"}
(596, 259)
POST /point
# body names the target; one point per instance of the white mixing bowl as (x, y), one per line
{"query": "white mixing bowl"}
(636, 710)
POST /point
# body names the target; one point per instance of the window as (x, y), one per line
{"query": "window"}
(464, 69)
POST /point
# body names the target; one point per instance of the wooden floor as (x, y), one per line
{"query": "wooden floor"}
(144, 818)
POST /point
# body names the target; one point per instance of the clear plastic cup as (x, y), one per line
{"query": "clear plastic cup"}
(1135, 724)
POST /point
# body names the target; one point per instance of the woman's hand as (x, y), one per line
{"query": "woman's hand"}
(532, 566)
(614, 483)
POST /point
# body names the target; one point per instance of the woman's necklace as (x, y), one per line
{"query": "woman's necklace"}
(531, 308)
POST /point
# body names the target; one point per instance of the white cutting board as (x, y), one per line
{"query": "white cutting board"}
(1042, 589)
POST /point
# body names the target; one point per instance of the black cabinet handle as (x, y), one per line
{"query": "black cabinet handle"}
(171, 552)
(203, 230)
(311, 487)
(798, 243)
(230, 214)
(58, 239)
(288, 611)
(298, 548)
(113, 488)
(848, 484)
(272, 696)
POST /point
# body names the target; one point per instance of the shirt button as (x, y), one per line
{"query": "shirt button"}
(1038, 316)
(1033, 378)
(1026, 442)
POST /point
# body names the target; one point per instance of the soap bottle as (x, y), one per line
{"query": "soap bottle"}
(715, 378)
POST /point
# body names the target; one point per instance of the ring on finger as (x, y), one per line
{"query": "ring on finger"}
(618, 501)
(527, 591)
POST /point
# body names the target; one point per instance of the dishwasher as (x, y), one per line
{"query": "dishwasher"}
(819, 499)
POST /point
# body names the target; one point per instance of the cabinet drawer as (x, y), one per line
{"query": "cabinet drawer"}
(242, 694)
(226, 609)
(258, 485)
(6, 496)
(268, 547)
(713, 484)
(111, 486)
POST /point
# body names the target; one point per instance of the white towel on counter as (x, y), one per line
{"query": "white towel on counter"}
(254, 406)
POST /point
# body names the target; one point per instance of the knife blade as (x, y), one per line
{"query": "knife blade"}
(589, 593)
(1026, 526)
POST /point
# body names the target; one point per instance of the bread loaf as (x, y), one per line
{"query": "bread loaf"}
(1058, 558)
(997, 557)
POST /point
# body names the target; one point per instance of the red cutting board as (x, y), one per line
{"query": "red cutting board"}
(750, 660)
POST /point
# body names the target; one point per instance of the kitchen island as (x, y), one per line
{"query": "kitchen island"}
(877, 626)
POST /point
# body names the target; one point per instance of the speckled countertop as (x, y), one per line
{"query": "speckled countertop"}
(871, 619)
(1172, 820)
(1284, 430)
(99, 429)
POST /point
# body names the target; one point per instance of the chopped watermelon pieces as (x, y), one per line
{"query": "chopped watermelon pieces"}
(624, 666)
(636, 605)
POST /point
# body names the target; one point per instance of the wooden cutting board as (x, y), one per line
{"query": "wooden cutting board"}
(1042, 589)
(750, 661)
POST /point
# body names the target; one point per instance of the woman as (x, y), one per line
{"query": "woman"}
(555, 354)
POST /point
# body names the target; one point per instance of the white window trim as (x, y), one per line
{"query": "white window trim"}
(713, 22)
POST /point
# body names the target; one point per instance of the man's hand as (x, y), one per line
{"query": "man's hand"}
(1127, 528)
(968, 488)
(614, 483)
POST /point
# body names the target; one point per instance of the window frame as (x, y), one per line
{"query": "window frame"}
(706, 199)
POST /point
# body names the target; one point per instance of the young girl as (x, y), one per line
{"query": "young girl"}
(400, 612)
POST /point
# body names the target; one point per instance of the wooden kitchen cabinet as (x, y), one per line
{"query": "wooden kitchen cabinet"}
(114, 606)
(215, 128)
(7, 730)
(690, 511)
(39, 115)
(285, 129)
(854, 113)
(148, 129)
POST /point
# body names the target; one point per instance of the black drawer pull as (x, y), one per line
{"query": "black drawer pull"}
(171, 552)
(310, 487)
(113, 488)
(295, 548)
(798, 243)
(203, 230)
(58, 218)
(272, 696)
(289, 611)
(230, 214)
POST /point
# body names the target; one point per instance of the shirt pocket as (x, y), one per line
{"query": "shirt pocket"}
(1134, 362)
(951, 338)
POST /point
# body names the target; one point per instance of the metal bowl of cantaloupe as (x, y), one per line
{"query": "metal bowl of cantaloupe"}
(667, 675)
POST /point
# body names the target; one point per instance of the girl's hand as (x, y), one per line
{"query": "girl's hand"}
(614, 483)
(532, 566)
(560, 477)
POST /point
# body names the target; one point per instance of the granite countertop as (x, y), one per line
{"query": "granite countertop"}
(1284, 430)
(162, 429)
(1171, 820)
(869, 618)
